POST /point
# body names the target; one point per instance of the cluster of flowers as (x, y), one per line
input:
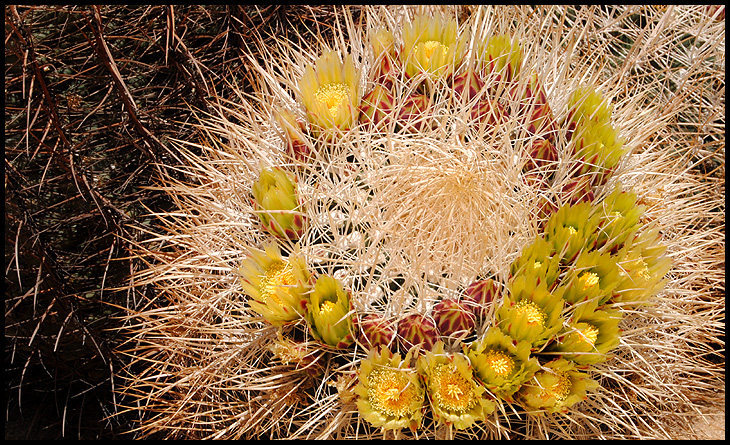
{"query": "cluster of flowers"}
(560, 311)
(558, 317)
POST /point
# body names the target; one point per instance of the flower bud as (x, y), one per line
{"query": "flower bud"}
(376, 107)
(542, 154)
(294, 134)
(417, 329)
(535, 112)
(454, 318)
(480, 297)
(412, 115)
(276, 200)
(329, 312)
(374, 331)
(384, 68)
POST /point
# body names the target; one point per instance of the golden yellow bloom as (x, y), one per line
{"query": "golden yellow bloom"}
(643, 265)
(502, 363)
(588, 104)
(279, 274)
(456, 397)
(389, 392)
(530, 312)
(431, 46)
(556, 387)
(331, 92)
(559, 388)
(590, 335)
(277, 287)
(451, 390)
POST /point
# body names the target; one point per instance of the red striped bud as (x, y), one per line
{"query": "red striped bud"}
(453, 318)
(480, 296)
(374, 331)
(417, 329)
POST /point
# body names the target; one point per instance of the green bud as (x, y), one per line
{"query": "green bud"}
(275, 197)
(329, 312)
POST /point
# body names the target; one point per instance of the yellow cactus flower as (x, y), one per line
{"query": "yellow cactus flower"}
(587, 104)
(599, 149)
(455, 396)
(276, 199)
(329, 312)
(537, 259)
(590, 335)
(431, 46)
(330, 93)
(593, 276)
(595, 141)
(572, 229)
(277, 287)
(530, 312)
(390, 394)
(642, 265)
(502, 363)
(500, 53)
(556, 387)
(620, 219)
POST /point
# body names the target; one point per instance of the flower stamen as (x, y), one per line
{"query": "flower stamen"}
(589, 334)
(499, 362)
(588, 279)
(390, 392)
(430, 46)
(279, 274)
(531, 311)
(327, 307)
(453, 391)
(332, 95)
(560, 389)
